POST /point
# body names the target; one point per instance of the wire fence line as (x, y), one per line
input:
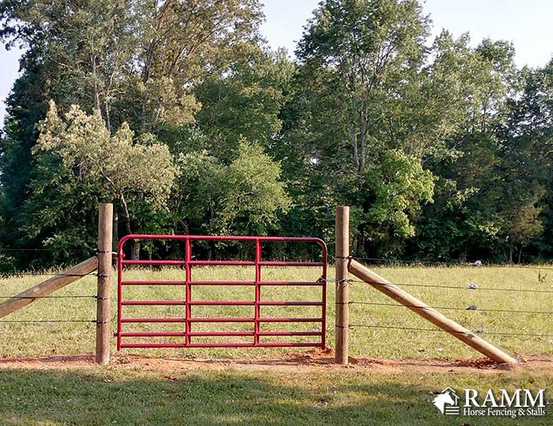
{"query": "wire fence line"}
(7, 275)
(57, 321)
(398, 261)
(446, 286)
(468, 287)
(17, 274)
(470, 308)
(48, 250)
(437, 330)
(79, 296)
(54, 321)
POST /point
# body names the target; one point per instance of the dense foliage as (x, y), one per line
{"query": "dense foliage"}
(178, 113)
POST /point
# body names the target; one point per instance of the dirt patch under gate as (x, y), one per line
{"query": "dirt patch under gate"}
(304, 361)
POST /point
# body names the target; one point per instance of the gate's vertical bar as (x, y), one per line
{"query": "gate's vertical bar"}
(120, 257)
(105, 241)
(325, 262)
(257, 290)
(188, 258)
(342, 284)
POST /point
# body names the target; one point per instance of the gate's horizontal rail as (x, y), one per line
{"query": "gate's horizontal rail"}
(237, 283)
(153, 334)
(153, 302)
(216, 263)
(218, 345)
(289, 333)
(222, 238)
(274, 263)
(293, 284)
(214, 303)
(222, 303)
(291, 303)
(173, 283)
(219, 333)
(192, 334)
(154, 262)
(138, 320)
(290, 319)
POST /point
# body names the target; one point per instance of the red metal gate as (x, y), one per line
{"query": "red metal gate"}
(188, 335)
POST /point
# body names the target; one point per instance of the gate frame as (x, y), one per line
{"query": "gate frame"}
(188, 283)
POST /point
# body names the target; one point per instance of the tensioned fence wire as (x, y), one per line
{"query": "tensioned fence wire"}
(451, 308)
(492, 333)
(437, 263)
(446, 286)
(17, 274)
(470, 287)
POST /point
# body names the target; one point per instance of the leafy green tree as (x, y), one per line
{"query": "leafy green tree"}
(26, 106)
(243, 100)
(180, 43)
(400, 185)
(129, 61)
(243, 197)
(253, 192)
(441, 149)
(88, 160)
(86, 49)
(358, 89)
(491, 196)
(361, 57)
(526, 155)
(137, 61)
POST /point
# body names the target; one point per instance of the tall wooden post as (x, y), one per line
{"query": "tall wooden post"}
(105, 237)
(342, 284)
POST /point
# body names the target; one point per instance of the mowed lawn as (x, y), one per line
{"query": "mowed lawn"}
(106, 396)
(129, 394)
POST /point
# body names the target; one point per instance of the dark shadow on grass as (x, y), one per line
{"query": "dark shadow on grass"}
(104, 396)
(198, 398)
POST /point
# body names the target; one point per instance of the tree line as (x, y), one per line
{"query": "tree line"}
(180, 114)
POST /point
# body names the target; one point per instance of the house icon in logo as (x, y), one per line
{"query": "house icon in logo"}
(447, 402)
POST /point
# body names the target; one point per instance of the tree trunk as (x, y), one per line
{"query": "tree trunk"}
(360, 244)
(116, 228)
(108, 118)
(96, 90)
(135, 244)
(135, 250)
(362, 148)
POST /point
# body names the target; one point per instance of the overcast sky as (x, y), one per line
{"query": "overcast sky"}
(527, 23)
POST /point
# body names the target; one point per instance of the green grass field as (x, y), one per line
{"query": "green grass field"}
(231, 395)
(28, 339)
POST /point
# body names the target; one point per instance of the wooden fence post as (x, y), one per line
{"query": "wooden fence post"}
(105, 239)
(342, 284)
